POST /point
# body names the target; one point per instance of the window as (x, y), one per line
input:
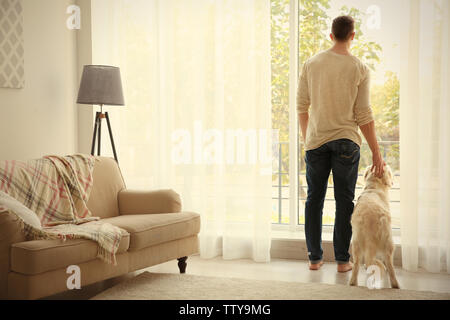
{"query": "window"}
(300, 29)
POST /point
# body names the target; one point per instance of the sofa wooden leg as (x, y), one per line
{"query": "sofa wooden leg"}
(182, 264)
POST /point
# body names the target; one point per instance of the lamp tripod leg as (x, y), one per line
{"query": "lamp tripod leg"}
(100, 118)
(111, 136)
(97, 117)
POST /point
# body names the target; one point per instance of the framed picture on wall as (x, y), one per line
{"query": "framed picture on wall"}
(12, 73)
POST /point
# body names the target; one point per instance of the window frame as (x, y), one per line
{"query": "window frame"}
(294, 143)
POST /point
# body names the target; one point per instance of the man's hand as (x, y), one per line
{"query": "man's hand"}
(368, 131)
(378, 164)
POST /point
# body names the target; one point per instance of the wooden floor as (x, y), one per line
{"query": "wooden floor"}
(277, 269)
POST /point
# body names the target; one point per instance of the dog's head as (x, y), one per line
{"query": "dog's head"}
(386, 179)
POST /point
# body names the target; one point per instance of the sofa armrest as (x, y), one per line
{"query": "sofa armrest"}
(10, 233)
(145, 202)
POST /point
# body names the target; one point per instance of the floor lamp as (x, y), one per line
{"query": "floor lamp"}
(101, 85)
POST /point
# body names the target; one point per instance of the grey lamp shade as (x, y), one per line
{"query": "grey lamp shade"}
(101, 85)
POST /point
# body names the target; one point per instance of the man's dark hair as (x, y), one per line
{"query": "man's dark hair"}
(342, 27)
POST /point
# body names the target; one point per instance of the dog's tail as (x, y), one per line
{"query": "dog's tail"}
(372, 260)
(380, 265)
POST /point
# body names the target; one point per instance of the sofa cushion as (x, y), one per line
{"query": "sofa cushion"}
(108, 182)
(37, 256)
(150, 229)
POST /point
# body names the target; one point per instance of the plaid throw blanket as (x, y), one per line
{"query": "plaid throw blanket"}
(57, 189)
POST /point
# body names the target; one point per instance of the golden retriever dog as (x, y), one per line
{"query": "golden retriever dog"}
(371, 224)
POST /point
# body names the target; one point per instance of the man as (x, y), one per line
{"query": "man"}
(332, 101)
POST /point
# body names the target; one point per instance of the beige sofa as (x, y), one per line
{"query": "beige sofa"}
(157, 231)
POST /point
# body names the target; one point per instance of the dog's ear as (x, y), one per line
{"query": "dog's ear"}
(387, 178)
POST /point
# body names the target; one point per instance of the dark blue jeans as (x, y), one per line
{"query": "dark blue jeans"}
(342, 158)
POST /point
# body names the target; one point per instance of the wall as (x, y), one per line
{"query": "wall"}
(42, 117)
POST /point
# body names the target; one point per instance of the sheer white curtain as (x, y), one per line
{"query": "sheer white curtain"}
(425, 137)
(196, 77)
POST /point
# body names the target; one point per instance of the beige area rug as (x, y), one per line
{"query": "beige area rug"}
(169, 286)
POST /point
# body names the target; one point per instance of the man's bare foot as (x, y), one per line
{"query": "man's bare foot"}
(315, 266)
(344, 267)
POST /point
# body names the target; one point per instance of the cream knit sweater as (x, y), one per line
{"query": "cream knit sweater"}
(334, 89)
